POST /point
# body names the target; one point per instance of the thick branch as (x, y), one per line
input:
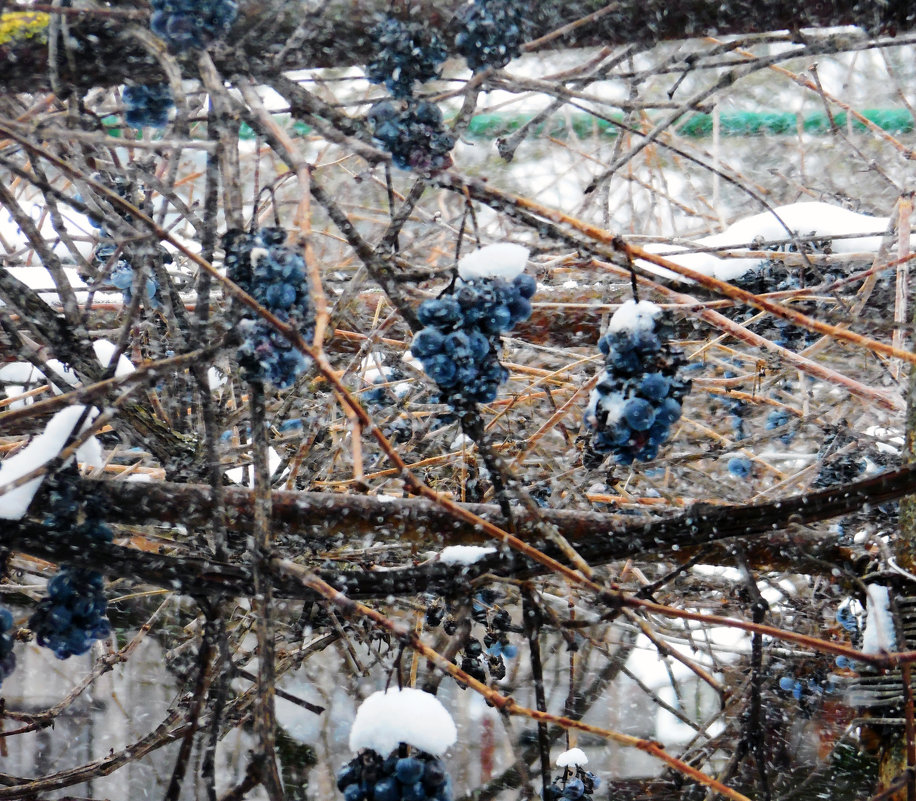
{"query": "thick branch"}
(318, 520)
(104, 54)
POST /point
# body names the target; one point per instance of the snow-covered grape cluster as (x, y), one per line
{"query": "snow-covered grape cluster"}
(491, 32)
(406, 53)
(399, 777)
(7, 657)
(73, 613)
(413, 133)
(147, 105)
(275, 276)
(121, 273)
(459, 342)
(639, 396)
(187, 24)
(574, 783)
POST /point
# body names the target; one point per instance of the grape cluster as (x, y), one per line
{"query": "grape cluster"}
(407, 53)
(121, 273)
(187, 24)
(7, 657)
(413, 133)
(808, 691)
(573, 786)
(639, 396)
(274, 275)
(72, 614)
(477, 657)
(459, 341)
(773, 275)
(147, 105)
(490, 32)
(399, 777)
(840, 469)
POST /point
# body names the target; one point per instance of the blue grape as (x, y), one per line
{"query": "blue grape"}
(441, 312)
(354, 792)
(526, 285)
(442, 370)
(654, 386)
(574, 790)
(427, 342)
(147, 105)
(386, 789)
(348, 774)
(669, 411)
(639, 414)
(406, 53)
(490, 32)
(739, 466)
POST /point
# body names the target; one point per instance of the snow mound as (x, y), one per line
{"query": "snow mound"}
(502, 260)
(611, 403)
(407, 715)
(633, 316)
(879, 635)
(819, 220)
(41, 450)
(572, 758)
(105, 351)
(464, 554)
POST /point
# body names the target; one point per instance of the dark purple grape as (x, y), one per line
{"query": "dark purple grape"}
(409, 770)
(434, 774)
(386, 789)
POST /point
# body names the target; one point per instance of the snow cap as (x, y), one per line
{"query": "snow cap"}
(464, 554)
(407, 715)
(46, 446)
(633, 316)
(572, 758)
(502, 260)
(879, 634)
